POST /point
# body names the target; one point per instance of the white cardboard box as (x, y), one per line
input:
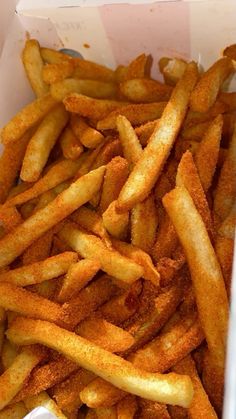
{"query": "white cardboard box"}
(116, 33)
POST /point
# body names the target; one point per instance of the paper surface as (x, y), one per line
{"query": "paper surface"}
(40, 413)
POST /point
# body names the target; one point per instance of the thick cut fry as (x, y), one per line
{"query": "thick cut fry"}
(200, 407)
(226, 188)
(88, 136)
(172, 69)
(153, 410)
(41, 144)
(144, 223)
(127, 408)
(26, 118)
(207, 88)
(168, 388)
(63, 205)
(33, 64)
(70, 145)
(137, 68)
(93, 88)
(115, 176)
(166, 240)
(207, 153)
(116, 223)
(148, 168)
(12, 380)
(16, 411)
(77, 277)
(145, 131)
(145, 90)
(52, 56)
(105, 334)
(131, 146)
(52, 267)
(230, 51)
(10, 164)
(53, 73)
(44, 400)
(90, 107)
(112, 262)
(211, 294)
(136, 114)
(91, 221)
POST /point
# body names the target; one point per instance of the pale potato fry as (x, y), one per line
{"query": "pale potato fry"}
(145, 131)
(200, 407)
(230, 51)
(26, 118)
(144, 223)
(89, 70)
(168, 388)
(211, 296)
(8, 353)
(136, 114)
(42, 142)
(52, 56)
(77, 277)
(63, 205)
(209, 84)
(116, 223)
(53, 73)
(12, 380)
(88, 136)
(207, 153)
(16, 411)
(33, 64)
(112, 262)
(52, 267)
(90, 107)
(43, 399)
(93, 88)
(137, 68)
(127, 408)
(149, 166)
(131, 146)
(145, 90)
(71, 147)
(172, 69)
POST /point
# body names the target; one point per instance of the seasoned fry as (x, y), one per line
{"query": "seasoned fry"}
(136, 114)
(148, 168)
(138, 68)
(44, 400)
(16, 411)
(71, 147)
(41, 144)
(52, 56)
(93, 88)
(89, 70)
(168, 388)
(33, 64)
(9, 219)
(230, 51)
(172, 69)
(63, 205)
(154, 410)
(116, 223)
(209, 84)
(112, 262)
(127, 408)
(131, 146)
(8, 353)
(145, 131)
(106, 413)
(211, 299)
(145, 90)
(144, 223)
(88, 136)
(39, 249)
(90, 107)
(195, 132)
(166, 240)
(26, 118)
(52, 73)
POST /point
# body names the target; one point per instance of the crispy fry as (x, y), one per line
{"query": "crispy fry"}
(39, 249)
(100, 393)
(211, 299)
(89, 70)
(131, 146)
(8, 353)
(229, 99)
(195, 132)
(106, 413)
(88, 136)
(77, 277)
(153, 410)
(172, 69)
(63, 205)
(44, 400)
(166, 240)
(110, 149)
(148, 168)
(71, 147)
(213, 381)
(116, 223)
(144, 223)
(53, 73)
(127, 408)
(209, 84)
(93, 88)
(112, 262)
(136, 114)
(137, 68)
(90, 107)
(230, 51)
(145, 90)
(9, 219)
(33, 64)
(16, 411)
(26, 118)
(41, 144)
(52, 56)
(145, 131)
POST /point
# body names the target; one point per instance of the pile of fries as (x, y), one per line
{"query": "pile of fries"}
(117, 225)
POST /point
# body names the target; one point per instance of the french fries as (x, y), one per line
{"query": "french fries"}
(93, 88)
(88, 136)
(33, 64)
(172, 69)
(71, 147)
(131, 146)
(145, 90)
(44, 400)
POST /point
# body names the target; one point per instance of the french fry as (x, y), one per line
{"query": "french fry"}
(105, 394)
(88, 136)
(211, 300)
(209, 84)
(120, 73)
(21, 187)
(116, 223)
(149, 166)
(229, 98)
(93, 88)
(52, 267)
(138, 68)
(111, 148)
(63, 205)
(145, 131)
(16, 411)
(26, 118)
(9, 219)
(168, 388)
(91, 414)
(166, 240)
(213, 382)
(53, 73)
(145, 90)
(172, 69)
(112, 262)
(131, 146)
(89, 70)
(77, 277)
(195, 132)
(44, 400)
(71, 147)
(12, 380)
(168, 267)
(8, 353)
(2, 328)
(230, 51)
(39, 249)
(127, 408)
(144, 223)
(52, 56)
(226, 188)
(90, 107)
(200, 406)
(136, 114)
(154, 410)
(207, 153)
(42, 142)
(33, 64)
(106, 413)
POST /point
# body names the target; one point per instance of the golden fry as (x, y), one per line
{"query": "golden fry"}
(172, 69)
(230, 51)
(43, 399)
(116, 223)
(53, 73)
(33, 64)
(93, 88)
(90, 107)
(145, 90)
(127, 408)
(88, 136)
(131, 146)
(145, 131)
(71, 147)
(137, 68)
(16, 411)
